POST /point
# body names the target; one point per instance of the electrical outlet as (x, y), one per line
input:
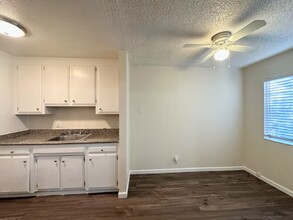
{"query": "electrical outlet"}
(176, 159)
(58, 124)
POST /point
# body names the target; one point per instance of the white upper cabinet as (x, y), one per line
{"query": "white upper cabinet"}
(29, 98)
(55, 85)
(61, 88)
(107, 90)
(67, 83)
(82, 85)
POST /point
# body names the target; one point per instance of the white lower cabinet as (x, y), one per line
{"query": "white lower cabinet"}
(58, 170)
(102, 170)
(14, 172)
(72, 172)
(59, 173)
(47, 173)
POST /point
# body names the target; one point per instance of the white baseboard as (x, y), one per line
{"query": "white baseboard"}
(269, 181)
(124, 195)
(182, 170)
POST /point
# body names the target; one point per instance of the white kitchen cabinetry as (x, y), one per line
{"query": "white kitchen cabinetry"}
(55, 85)
(47, 173)
(29, 99)
(14, 172)
(59, 172)
(82, 85)
(72, 172)
(40, 86)
(52, 170)
(107, 90)
(102, 168)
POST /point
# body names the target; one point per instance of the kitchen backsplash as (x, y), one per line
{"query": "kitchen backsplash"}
(72, 118)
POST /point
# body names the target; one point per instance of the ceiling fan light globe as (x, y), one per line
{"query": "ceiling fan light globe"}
(10, 29)
(221, 55)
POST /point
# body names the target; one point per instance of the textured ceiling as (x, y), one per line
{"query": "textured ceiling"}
(60, 28)
(153, 31)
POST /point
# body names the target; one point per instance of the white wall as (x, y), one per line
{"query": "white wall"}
(8, 121)
(273, 160)
(194, 113)
(73, 117)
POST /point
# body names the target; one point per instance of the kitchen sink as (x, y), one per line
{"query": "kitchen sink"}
(69, 137)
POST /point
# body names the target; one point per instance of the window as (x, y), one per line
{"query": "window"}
(278, 110)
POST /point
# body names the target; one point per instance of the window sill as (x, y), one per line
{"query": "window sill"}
(279, 141)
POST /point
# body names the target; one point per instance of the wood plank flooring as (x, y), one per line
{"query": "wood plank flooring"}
(202, 195)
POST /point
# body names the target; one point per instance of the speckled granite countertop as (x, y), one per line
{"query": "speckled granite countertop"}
(41, 137)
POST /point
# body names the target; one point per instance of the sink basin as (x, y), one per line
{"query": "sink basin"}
(69, 137)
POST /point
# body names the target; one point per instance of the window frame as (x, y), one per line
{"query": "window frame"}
(268, 138)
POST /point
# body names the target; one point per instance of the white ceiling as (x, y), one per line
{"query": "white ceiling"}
(59, 28)
(153, 31)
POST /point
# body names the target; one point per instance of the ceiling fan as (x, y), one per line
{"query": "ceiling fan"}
(223, 42)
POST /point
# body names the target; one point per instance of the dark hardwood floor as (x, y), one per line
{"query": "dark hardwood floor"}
(203, 195)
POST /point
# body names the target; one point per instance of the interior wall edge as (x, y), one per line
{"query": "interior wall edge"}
(269, 181)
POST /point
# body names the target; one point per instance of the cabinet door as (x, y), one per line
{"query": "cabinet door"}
(29, 89)
(47, 173)
(82, 85)
(72, 172)
(102, 170)
(14, 172)
(107, 95)
(56, 85)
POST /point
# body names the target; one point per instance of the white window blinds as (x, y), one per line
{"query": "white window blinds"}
(278, 110)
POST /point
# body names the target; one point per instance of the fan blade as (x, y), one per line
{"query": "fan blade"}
(242, 48)
(208, 56)
(197, 45)
(253, 26)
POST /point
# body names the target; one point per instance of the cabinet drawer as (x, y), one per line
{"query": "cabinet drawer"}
(102, 149)
(14, 151)
(77, 150)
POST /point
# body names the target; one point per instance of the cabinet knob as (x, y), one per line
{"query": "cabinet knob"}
(73, 101)
(100, 109)
(55, 161)
(63, 161)
(102, 150)
(12, 152)
(24, 162)
(90, 159)
(37, 109)
(65, 101)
